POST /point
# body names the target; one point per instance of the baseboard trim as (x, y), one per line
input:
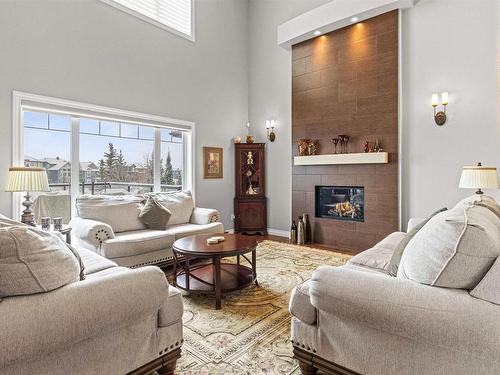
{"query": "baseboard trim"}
(278, 232)
(274, 232)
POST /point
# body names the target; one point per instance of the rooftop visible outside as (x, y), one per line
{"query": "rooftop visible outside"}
(115, 158)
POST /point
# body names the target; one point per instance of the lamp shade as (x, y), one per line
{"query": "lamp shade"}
(27, 179)
(479, 177)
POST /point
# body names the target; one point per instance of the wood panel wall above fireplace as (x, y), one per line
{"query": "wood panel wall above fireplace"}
(346, 82)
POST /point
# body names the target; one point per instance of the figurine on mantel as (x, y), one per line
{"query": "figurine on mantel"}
(376, 146)
(307, 147)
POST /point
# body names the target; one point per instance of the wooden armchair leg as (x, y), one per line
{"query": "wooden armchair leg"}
(168, 368)
(307, 369)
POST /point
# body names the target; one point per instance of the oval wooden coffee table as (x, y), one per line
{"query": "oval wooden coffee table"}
(216, 277)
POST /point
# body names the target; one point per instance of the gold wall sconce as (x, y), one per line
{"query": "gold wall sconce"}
(271, 135)
(440, 116)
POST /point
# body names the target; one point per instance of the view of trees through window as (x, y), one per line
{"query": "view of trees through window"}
(115, 158)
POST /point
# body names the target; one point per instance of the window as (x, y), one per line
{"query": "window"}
(88, 149)
(173, 15)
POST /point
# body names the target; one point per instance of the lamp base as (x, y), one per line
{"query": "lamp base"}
(479, 191)
(27, 217)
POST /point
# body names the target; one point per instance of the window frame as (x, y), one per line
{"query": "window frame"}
(153, 22)
(22, 101)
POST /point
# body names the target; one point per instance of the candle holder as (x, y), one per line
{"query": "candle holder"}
(335, 142)
(440, 116)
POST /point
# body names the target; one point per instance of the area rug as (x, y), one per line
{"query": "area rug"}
(251, 333)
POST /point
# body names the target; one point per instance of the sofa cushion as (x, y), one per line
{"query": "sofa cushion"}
(392, 267)
(179, 203)
(184, 230)
(136, 242)
(454, 249)
(378, 256)
(34, 261)
(93, 262)
(119, 212)
(488, 288)
(300, 304)
(154, 215)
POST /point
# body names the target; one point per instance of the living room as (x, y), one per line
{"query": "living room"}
(249, 186)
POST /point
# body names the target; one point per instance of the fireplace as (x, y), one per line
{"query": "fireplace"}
(340, 202)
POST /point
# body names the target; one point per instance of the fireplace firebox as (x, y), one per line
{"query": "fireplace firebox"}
(340, 202)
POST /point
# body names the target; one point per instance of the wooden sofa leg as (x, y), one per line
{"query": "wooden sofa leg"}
(168, 368)
(307, 369)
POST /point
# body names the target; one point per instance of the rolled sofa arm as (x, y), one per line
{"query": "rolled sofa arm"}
(202, 216)
(435, 316)
(90, 233)
(104, 302)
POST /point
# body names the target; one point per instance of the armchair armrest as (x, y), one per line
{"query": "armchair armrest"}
(90, 233)
(105, 301)
(443, 317)
(203, 216)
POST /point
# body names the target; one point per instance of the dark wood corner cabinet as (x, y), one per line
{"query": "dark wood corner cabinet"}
(250, 201)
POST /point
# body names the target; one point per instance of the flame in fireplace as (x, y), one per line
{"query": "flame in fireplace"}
(345, 209)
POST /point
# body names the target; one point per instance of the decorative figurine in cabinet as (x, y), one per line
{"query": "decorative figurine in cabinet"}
(250, 201)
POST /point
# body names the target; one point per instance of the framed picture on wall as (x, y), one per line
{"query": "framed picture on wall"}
(213, 166)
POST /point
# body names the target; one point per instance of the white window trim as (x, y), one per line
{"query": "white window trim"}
(156, 23)
(23, 100)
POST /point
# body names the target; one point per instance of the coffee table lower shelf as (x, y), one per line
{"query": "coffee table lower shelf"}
(202, 279)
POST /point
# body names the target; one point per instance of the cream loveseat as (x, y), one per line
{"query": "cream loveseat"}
(357, 319)
(113, 320)
(110, 226)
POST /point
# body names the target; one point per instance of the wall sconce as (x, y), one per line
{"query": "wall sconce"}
(270, 130)
(440, 116)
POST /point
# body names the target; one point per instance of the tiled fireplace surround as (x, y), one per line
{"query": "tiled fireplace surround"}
(346, 82)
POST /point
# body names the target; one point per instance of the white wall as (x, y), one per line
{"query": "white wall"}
(449, 45)
(270, 96)
(90, 52)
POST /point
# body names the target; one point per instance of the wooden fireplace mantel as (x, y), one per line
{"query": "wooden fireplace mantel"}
(354, 158)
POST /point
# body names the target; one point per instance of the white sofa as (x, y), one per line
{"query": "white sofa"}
(115, 321)
(357, 319)
(110, 226)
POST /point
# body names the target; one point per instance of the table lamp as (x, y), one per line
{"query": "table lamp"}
(479, 177)
(25, 179)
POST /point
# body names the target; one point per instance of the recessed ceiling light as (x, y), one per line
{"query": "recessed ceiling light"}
(354, 19)
(317, 32)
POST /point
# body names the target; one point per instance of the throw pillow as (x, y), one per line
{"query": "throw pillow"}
(392, 268)
(482, 200)
(34, 261)
(179, 203)
(488, 288)
(154, 215)
(454, 249)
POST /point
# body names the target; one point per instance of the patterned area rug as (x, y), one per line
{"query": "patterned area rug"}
(251, 333)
